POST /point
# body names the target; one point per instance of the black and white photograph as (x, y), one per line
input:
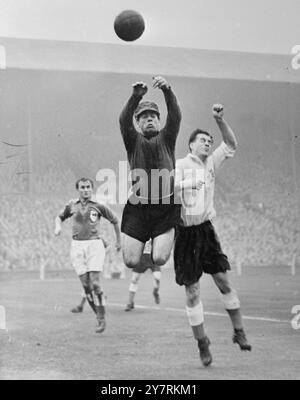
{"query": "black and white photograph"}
(150, 193)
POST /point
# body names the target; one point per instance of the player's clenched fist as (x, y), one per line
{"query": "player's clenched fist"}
(218, 111)
(160, 82)
(140, 88)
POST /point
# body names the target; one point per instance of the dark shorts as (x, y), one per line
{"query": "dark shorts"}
(146, 263)
(197, 249)
(147, 221)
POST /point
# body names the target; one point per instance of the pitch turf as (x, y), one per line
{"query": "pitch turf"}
(45, 341)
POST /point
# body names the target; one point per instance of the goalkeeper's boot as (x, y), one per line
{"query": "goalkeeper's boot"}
(205, 354)
(239, 337)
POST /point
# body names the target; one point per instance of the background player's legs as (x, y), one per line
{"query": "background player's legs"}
(132, 290)
(79, 307)
(162, 246)
(98, 300)
(232, 306)
(156, 285)
(132, 251)
(194, 310)
(85, 281)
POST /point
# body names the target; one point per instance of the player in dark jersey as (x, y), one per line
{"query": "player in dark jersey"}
(87, 248)
(151, 212)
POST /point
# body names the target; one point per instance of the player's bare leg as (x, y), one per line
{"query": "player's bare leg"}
(132, 251)
(162, 246)
(80, 306)
(85, 281)
(195, 316)
(132, 290)
(98, 300)
(232, 306)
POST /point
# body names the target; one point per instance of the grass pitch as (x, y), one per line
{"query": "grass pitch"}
(44, 340)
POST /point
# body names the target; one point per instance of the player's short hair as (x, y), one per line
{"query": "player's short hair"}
(195, 133)
(84, 180)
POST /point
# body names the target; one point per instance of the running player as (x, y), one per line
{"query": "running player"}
(197, 248)
(150, 212)
(145, 263)
(87, 248)
(79, 308)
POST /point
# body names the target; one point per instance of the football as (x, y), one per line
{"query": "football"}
(129, 25)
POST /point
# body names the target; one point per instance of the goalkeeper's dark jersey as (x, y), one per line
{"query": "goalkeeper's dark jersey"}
(154, 155)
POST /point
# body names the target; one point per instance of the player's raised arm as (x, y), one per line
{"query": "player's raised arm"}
(127, 128)
(227, 133)
(171, 129)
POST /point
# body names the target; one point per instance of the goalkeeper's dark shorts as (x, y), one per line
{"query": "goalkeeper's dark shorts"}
(197, 249)
(147, 221)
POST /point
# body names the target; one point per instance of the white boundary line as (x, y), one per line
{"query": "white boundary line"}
(209, 313)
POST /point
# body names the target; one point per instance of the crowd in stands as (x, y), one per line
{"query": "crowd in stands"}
(27, 241)
(256, 221)
(258, 212)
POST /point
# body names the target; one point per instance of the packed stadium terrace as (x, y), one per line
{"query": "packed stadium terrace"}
(257, 220)
(255, 229)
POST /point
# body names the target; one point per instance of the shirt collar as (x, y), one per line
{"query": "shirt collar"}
(195, 159)
(84, 203)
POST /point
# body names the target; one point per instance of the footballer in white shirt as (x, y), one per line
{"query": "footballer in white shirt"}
(197, 248)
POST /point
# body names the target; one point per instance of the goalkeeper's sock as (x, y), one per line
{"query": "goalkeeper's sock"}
(131, 297)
